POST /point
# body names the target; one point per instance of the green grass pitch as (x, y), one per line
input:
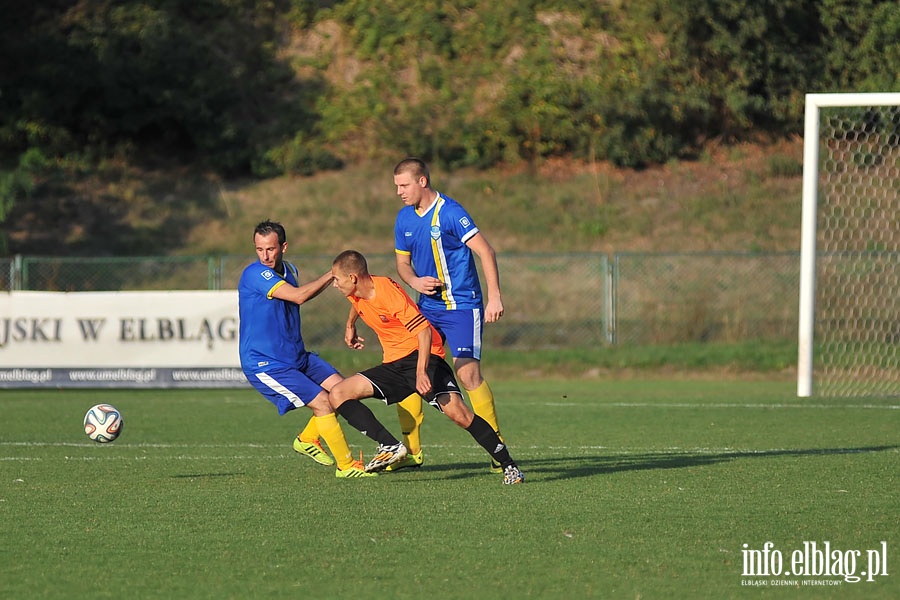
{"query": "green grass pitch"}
(635, 489)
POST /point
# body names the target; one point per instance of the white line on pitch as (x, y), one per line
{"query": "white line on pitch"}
(719, 405)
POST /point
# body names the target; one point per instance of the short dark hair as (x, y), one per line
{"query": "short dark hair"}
(414, 166)
(351, 261)
(268, 227)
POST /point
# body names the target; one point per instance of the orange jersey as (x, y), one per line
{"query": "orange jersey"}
(396, 319)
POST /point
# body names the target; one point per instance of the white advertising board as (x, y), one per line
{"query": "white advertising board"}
(113, 339)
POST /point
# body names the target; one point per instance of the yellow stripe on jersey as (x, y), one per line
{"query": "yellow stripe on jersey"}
(440, 261)
(275, 287)
(278, 284)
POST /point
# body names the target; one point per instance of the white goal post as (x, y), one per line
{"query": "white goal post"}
(850, 246)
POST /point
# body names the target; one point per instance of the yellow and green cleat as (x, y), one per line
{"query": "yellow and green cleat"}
(411, 461)
(314, 450)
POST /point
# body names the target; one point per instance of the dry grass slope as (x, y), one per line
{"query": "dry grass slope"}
(735, 198)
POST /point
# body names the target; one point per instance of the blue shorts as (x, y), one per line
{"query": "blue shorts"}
(291, 387)
(460, 328)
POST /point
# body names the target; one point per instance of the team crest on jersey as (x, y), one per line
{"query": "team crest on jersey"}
(435, 232)
(465, 222)
(267, 274)
(383, 318)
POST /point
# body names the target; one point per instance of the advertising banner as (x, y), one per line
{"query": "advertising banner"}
(119, 339)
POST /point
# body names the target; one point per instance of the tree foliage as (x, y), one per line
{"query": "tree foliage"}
(220, 84)
(469, 83)
(195, 80)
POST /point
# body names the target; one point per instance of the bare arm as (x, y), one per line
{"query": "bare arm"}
(305, 292)
(423, 285)
(423, 383)
(351, 338)
(493, 309)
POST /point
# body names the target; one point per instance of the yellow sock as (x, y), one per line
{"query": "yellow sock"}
(310, 433)
(482, 399)
(410, 412)
(331, 432)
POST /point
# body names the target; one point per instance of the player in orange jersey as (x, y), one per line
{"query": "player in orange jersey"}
(413, 357)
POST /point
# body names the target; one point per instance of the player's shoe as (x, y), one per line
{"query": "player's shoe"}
(496, 467)
(354, 470)
(512, 474)
(314, 450)
(412, 461)
(386, 455)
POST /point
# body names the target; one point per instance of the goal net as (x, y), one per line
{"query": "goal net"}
(849, 333)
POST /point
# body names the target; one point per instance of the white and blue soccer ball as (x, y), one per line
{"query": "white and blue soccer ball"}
(103, 423)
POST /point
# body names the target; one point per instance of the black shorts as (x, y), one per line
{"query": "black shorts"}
(396, 380)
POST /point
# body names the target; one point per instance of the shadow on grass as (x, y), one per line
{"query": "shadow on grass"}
(207, 475)
(568, 467)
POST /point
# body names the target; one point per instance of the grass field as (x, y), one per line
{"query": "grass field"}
(635, 489)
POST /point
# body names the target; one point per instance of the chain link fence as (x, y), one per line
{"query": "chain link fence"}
(567, 300)
(710, 297)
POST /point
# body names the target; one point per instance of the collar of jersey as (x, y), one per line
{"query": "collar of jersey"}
(437, 199)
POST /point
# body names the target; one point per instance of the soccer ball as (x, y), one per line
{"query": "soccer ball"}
(103, 423)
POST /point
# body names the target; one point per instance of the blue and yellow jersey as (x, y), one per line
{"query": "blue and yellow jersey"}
(269, 328)
(436, 242)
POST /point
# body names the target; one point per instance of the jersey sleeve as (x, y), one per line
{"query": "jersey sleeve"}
(415, 322)
(460, 223)
(404, 309)
(401, 246)
(278, 284)
(262, 280)
(412, 319)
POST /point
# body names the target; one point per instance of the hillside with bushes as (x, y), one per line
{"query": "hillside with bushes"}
(153, 127)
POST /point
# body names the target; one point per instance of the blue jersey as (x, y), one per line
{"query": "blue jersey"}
(269, 328)
(436, 243)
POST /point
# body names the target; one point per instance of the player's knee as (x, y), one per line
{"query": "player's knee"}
(352, 388)
(338, 395)
(320, 405)
(472, 382)
(469, 373)
(331, 381)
